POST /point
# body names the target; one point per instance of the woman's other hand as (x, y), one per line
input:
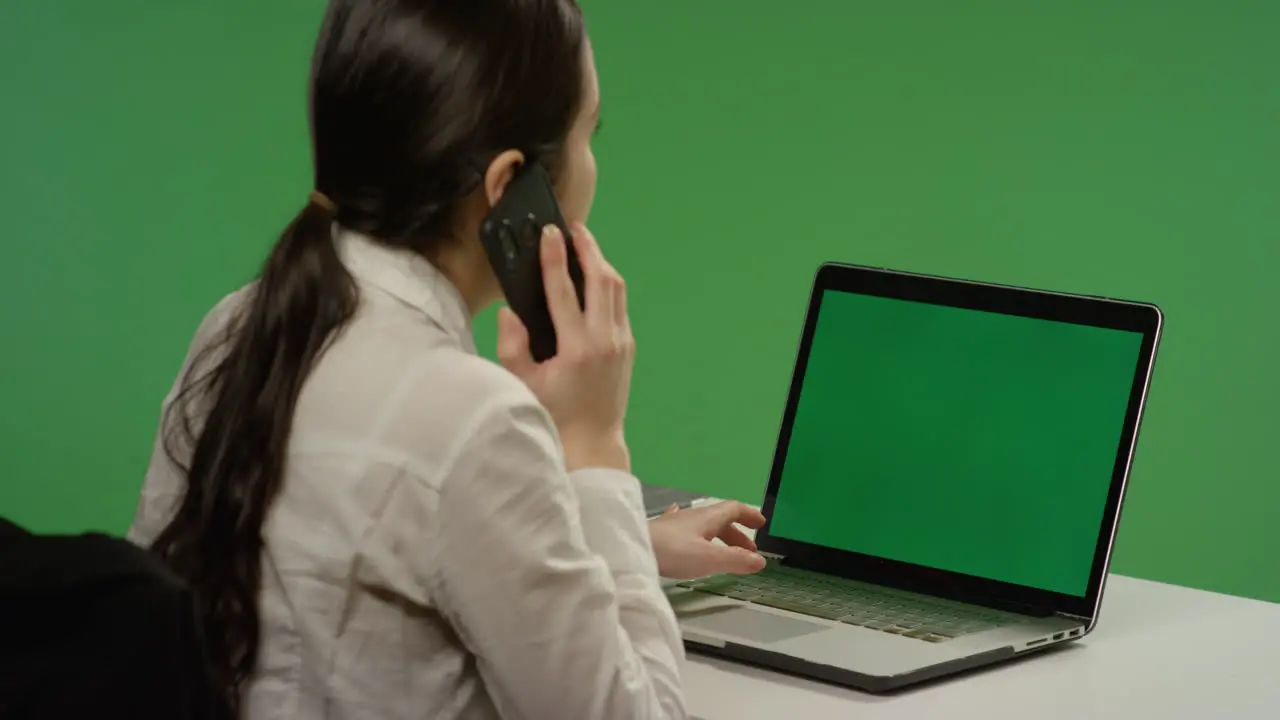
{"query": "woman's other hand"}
(586, 385)
(684, 541)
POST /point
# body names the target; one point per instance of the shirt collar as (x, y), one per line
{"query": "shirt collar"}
(410, 278)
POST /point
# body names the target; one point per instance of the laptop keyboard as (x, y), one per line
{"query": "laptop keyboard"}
(900, 613)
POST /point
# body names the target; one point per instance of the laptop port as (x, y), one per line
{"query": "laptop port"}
(1059, 636)
(1037, 642)
(1075, 633)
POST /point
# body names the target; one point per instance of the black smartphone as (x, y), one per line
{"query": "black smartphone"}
(512, 235)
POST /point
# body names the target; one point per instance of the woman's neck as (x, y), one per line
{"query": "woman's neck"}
(467, 267)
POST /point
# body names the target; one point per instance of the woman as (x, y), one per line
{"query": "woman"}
(378, 523)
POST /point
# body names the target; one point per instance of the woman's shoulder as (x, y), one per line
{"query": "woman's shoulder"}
(471, 387)
(445, 406)
(219, 319)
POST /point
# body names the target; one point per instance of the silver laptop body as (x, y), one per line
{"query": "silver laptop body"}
(658, 499)
(947, 482)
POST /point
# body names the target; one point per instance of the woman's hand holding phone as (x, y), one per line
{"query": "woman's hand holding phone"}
(587, 384)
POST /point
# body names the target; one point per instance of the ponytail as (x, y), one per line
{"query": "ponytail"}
(236, 466)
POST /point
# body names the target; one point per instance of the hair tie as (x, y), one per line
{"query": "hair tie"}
(320, 199)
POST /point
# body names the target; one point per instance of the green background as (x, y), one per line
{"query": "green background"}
(150, 151)
(980, 443)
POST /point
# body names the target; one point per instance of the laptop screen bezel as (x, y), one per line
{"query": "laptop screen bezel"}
(1141, 318)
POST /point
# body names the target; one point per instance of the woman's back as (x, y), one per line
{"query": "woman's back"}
(376, 523)
(424, 520)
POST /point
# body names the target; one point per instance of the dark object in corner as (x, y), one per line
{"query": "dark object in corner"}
(94, 626)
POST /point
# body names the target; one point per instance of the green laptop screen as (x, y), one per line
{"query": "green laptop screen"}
(957, 439)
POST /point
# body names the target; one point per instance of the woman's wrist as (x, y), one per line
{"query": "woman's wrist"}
(607, 451)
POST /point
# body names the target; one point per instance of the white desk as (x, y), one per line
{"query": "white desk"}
(1160, 653)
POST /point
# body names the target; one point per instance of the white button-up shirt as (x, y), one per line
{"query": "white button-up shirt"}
(428, 555)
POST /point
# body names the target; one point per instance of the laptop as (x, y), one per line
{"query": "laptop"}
(660, 498)
(946, 485)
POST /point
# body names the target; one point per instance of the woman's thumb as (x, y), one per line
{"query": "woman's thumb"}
(513, 343)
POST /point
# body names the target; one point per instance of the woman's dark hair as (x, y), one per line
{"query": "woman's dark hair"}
(409, 101)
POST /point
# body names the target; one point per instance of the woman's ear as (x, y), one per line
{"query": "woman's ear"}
(500, 172)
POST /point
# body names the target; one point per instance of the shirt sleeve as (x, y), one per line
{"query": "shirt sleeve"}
(161, 490)
(165, 481)
(549, 578)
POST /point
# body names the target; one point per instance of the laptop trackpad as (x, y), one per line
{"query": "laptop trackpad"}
(753, 625)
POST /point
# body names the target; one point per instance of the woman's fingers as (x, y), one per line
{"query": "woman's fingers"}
(513, 343)
(730, 512)
(562, 297)
(715, 559)
(620, 316)
(621, 321)
(603, 326)
(733, 535)
(601, 281)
